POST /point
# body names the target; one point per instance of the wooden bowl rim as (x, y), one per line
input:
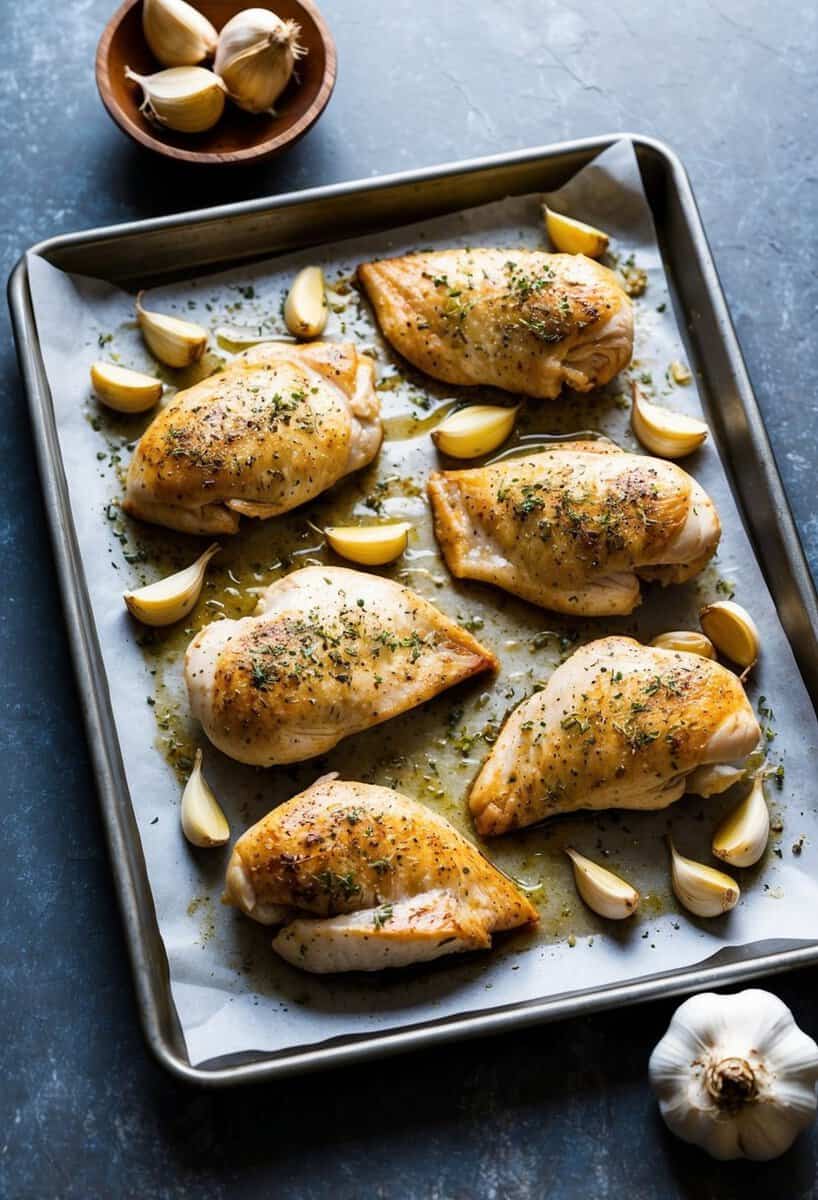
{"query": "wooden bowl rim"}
(261, 150)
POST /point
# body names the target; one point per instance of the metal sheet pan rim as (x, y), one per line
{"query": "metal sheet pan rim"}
(129, 874)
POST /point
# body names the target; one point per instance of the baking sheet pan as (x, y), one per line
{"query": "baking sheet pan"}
(672, 207)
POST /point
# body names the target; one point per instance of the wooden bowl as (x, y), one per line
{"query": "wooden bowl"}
(239, 137)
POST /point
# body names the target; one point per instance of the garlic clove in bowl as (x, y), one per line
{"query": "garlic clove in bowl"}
(474, 431)
(665, 433)
(603, 892)
(305, 309)
(186, 99)
(124, 390)
(203, 822)
(369, 545)
(570, 236)
(170, 599)
(175, 342)
(177, 33)
(256, 56)
(741, 837)
(735, 1075)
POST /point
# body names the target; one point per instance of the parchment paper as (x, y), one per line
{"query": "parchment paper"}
(231, 994)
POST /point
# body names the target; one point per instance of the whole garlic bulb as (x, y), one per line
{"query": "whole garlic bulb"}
(735, 1075)
(177, 33)
(256, 55)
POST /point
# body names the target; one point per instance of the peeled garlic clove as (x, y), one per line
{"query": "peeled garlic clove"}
(680, 372)
(474, 431)
(170, 599)
(574, 237)
(688, 641)
(601, 890)
(124, 390)
(665, 433)
(255, 57)
(369, 545)
(177, 33)
(713, 779)
(187, 99)
(305, 309)
(700, 889)
(175, 342)
(203, 822)
(732, 630)
(741, 838)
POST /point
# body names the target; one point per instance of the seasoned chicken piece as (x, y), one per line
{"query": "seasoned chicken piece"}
(329, 653)
(276, 427)
(573, 528)
(619, 725)
(522, 320)
(363, 878)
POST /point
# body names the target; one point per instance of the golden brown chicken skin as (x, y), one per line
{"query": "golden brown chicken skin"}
(364, 878)
(278, 426)
(522, 320)
(330, 653)
(575, 527)
(620, 725)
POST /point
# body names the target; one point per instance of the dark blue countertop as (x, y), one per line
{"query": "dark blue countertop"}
(560, 1111)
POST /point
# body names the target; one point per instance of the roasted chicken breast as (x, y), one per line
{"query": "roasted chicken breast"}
(522, 320)
(330, 652)
(620, 725)
(575, 527)
(363, 878)
(276, 427)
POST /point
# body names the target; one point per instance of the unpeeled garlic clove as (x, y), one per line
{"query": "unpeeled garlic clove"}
(688, 641)
(177, 33)
(369, 545)
(175, 342)
(474, 431)
(732, 630)
(124, 390)
(169, 600)
(186, 99)
(305, 309)
(665, 433)
(713, 779)
(602, 891)
(574, 237)
(255, 57)
(741, 838)
(700, 889)
(203, 822)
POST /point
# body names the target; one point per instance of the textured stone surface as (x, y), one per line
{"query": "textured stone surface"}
(561, 1111)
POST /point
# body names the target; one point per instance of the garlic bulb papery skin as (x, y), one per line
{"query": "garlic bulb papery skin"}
(256, 55)
(177, 33)
(735, 1075)
(186, 99)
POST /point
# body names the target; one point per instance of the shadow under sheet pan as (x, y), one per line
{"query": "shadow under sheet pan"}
(158, 252)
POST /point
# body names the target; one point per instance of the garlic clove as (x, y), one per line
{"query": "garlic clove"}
(574, 237)
(700, 889)
(255, 57)
(305, 309)
(741, 838)
(177, 33)
(713, 779)
(680, 372)
(203, 822)
(603, 892)
(186, 99)
(232, 337)
(732, 631)
(170, 599)
(124, 390)
(688, 641)
(369, 545)
(474, 431)
(175, 342)
(665, 433)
